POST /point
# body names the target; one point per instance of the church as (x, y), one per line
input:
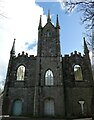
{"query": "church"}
(49, 85)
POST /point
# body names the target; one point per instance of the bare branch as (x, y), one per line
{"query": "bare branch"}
(86, 7)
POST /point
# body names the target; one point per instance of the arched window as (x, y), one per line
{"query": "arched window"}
(17, 107)
(49, 78)
(78, 72)
(49, 107)
(20, 73)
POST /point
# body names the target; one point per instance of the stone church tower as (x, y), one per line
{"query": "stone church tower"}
(48, 65)
(48, 85)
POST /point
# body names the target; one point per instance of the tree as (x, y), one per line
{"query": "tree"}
(86, 7)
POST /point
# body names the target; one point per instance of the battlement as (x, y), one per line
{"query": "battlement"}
(75, 53)
(23, 54)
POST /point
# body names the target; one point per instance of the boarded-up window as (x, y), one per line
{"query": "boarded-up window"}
(49, 107)
(17, 107)
(82, 106)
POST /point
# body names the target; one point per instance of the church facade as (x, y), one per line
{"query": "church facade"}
(49, 85)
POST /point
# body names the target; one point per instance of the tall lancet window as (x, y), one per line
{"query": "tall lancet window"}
(78, 72)
(49, 78)
(20, 73)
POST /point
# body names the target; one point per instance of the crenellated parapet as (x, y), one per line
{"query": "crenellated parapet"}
(25, 55)
(73, 55)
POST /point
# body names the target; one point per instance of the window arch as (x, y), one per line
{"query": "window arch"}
(78, 72)
(49, 78)
(49, 107)
(17, 108)
(20, 73)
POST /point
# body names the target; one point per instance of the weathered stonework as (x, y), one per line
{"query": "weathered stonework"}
(71, 98)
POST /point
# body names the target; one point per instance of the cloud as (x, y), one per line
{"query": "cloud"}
(21, 22)
(31, 46)
(62, 3)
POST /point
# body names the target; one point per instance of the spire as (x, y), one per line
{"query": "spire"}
(86, 51)
(12, 52)
(40, 23)
(57, 22)
(48, 19)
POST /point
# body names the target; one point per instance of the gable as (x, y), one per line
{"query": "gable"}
(49, 25)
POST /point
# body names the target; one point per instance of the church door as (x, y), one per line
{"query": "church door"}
(17, 107)
(49, 107)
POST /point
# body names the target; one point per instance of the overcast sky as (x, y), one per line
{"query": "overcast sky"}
(21, 22)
